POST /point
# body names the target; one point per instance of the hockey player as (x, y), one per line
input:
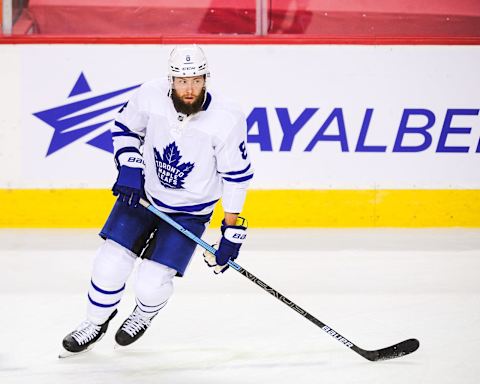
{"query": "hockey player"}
(183, 148)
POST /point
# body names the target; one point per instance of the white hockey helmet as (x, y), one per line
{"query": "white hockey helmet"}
(187, 61)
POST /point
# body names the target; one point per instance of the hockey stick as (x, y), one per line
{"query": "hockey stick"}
(401, 349)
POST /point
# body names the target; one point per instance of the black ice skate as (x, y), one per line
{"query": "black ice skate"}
(132, 328)
(84, 337)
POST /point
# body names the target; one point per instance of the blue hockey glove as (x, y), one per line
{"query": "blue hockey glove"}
(232, 239)
(129, 185)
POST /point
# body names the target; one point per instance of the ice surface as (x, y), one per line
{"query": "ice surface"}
(375, 286)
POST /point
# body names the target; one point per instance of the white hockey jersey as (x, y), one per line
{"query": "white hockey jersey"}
(189, 162)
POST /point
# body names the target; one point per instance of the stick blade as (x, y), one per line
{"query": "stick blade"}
(401, 349)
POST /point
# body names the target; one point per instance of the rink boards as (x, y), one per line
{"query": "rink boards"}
(339, 135)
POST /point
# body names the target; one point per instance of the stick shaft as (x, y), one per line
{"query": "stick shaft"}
(252, 277)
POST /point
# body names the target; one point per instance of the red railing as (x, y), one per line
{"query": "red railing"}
(222, 21)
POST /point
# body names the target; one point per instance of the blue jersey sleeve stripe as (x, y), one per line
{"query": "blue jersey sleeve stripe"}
(239, 180)
(123, 127)
(98, 289)
(130, 134)
(238, 172)
(185, 208)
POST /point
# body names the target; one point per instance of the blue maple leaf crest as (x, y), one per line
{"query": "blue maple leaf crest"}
(170, 171)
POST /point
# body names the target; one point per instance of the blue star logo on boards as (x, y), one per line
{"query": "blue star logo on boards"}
(69, 126)
(170, 171)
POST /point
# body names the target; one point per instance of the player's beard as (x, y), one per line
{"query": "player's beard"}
(188, 109)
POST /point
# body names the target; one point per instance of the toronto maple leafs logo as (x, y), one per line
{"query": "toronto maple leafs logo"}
(170, 171)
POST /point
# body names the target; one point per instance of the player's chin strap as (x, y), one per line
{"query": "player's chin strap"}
(403, 348)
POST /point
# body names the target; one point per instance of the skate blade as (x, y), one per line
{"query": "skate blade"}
(64, 354)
